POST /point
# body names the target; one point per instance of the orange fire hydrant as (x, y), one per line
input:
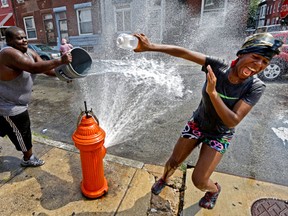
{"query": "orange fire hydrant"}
(89, 139)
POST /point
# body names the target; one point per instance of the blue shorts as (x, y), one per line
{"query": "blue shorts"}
(192, 131)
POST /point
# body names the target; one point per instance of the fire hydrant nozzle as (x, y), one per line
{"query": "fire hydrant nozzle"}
(89, 139)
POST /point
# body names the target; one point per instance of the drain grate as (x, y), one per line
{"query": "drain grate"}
(269, 207)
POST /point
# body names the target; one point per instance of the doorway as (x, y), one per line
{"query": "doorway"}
(50, 30)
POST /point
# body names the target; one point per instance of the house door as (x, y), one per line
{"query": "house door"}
(49, 29)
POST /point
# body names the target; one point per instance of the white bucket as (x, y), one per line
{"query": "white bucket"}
(78, 68)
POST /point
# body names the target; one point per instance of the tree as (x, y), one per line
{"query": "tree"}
(252, 13)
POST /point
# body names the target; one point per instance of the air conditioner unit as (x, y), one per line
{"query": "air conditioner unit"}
(20, 1)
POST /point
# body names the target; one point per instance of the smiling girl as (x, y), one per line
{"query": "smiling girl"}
(228, 95)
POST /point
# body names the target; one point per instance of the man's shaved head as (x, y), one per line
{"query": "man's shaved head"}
(11, 32)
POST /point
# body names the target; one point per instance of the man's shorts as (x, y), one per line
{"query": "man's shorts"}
(192, 131)
(17, 128)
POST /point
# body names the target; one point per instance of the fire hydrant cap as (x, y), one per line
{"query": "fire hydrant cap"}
(88, 132)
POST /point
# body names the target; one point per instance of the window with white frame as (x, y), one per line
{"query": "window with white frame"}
(155, 20)
(263, 11)
(84, 17)
(30, 27)
(213, 13)
(208, 3)
(268, 22)
(4, 3)
(155, 3)
(123, 18)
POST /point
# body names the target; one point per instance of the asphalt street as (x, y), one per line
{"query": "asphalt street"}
(143, 106)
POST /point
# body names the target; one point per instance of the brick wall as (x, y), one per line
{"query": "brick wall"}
(39, 8)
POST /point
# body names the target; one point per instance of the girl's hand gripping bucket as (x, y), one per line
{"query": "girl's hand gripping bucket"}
(78, 68)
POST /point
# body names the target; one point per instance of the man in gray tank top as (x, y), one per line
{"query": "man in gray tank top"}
(18, 68)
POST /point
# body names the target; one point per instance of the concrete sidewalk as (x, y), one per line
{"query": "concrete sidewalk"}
(54, 188)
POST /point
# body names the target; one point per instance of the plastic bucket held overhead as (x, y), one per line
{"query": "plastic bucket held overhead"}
(78, 68)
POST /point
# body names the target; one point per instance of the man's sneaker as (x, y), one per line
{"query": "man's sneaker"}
(32, 162)
(158, 186)
(209, 200)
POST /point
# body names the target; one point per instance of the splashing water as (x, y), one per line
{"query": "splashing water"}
(127, 96)
(282, 133)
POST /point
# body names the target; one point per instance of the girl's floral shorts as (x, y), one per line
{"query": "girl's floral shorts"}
(192, 131)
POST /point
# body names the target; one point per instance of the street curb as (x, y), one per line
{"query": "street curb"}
(72, 148)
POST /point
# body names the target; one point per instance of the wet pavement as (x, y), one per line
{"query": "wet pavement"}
(143, 116)
(138, 150)
(54, 188)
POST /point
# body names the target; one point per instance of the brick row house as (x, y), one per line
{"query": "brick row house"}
(272, 15)
(273, 12)
(284, 12)
(269, 13)
(6, 16)
(95, 24)
(48, 21)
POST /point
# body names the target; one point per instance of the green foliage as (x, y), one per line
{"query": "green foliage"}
(252, 13)
(39, 135)
(253, 6)
(183, 167)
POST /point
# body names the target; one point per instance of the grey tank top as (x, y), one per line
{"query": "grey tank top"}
(15, 94)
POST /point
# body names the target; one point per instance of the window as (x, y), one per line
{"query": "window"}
(208, 3)
(48, 22)
(2, 31)
(84, 17)
(154, 20)
(63, 27)
(155, 3)
(48, 16)
(30, 27)
(4, 3)
(263, 11)
(123, 17)
(61, 15)
(213, 13)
